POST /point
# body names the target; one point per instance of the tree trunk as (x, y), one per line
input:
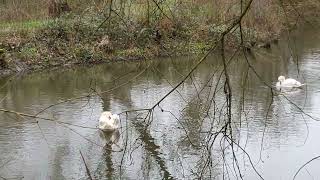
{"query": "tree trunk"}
(57, 7)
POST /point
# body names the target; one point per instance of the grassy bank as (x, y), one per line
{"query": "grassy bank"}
(128, 30)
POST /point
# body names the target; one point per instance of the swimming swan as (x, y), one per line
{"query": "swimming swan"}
(292, 83)
(108, 121)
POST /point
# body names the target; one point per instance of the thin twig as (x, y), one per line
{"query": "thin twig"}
(85, 164)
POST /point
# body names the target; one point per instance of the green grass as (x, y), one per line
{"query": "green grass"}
(28, 52)
(30, 25)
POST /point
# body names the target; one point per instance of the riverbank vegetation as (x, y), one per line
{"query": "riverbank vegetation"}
(40, 34)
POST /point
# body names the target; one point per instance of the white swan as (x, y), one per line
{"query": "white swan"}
(109, 121)
(289, 83)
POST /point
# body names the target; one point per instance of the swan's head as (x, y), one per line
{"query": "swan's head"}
(281, 78)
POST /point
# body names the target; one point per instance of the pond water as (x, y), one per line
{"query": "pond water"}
(178, 142)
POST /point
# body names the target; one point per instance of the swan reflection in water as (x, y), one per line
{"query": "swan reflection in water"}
(105, 168)
(110, 137)
(289, 90)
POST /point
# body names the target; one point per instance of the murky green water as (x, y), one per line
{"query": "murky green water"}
(277, 136)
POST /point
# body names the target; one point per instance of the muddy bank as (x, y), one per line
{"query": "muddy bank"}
(58, 46)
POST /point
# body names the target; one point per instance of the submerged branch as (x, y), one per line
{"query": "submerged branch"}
(317, 157)
(43, 118)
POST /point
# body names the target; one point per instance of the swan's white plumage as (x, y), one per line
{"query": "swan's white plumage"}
(283, 82)
(109, 121)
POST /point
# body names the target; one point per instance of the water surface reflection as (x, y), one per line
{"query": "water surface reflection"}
(170, 144)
